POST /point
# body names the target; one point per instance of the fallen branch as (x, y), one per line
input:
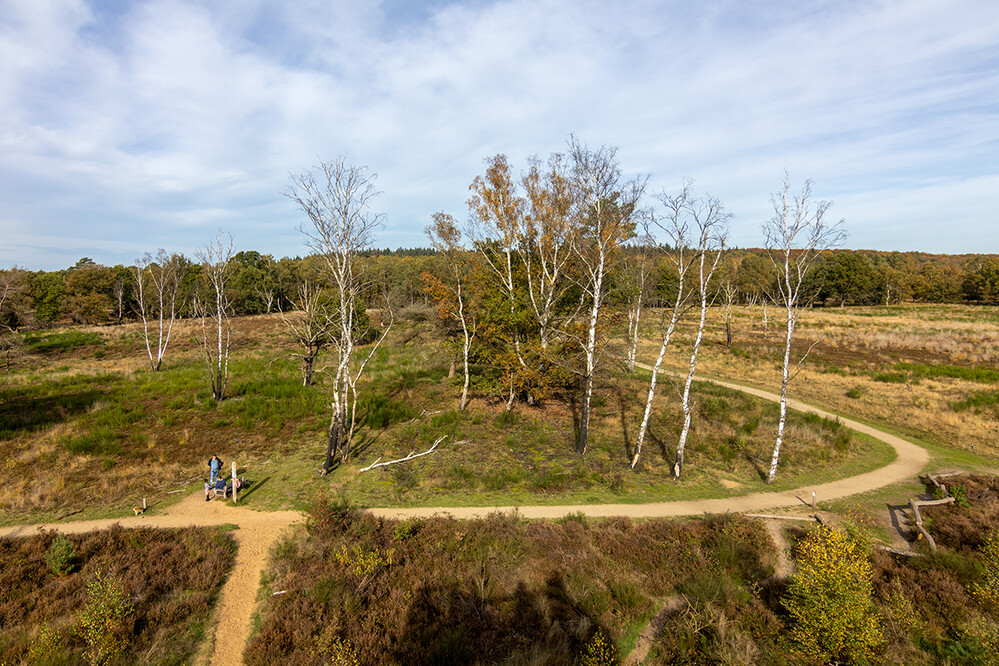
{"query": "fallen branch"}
(409, 457)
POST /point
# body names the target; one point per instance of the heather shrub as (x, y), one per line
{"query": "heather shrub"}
(171, 577)
(328, 515)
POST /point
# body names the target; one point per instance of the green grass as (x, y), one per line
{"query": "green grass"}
(980, 375)
(979, 400)
(45, 342)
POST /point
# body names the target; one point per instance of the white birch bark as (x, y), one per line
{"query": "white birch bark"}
(604, 209)
(215, 258)
(336, 197)
(675, 228)
(445, 237)
(795, 236)
(709, 227)
(162, 277)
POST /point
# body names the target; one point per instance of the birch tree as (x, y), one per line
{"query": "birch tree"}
(157, 283)
(445, 237)
(308, 325)
(796, 235)
(337, 197)
(497, 227)
(710, 219)
(605, 207)
(213, 304)
(549, 235)
(118, 289)
(670, 231)
(636, 278)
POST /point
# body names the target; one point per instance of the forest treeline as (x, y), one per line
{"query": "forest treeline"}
(91, 293)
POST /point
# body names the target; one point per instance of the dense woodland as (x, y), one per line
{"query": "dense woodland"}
(91, 293)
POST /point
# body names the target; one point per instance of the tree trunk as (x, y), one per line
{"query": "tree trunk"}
(464, 389)
(591, 354)
(584, 415)
(333, 439)
(785, 378)
(681, 447)
(307, 361)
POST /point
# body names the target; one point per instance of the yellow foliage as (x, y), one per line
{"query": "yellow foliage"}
(986, 592)
(102, 620)
(829, 600)
(599, 651)
(336, 651)
(362, 563)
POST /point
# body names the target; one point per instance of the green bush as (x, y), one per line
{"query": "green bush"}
(977, 401)
(980, 375)
(381, 412)
(407, 529)
(46, 342)
(61, 556)
(101, 442)
(102, 620)
(890, 377)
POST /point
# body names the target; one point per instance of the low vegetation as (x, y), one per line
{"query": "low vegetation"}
(110, 596)
(849, 603)
(486, 591)
(507, 590)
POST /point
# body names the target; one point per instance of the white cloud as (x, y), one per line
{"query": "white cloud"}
(191, 115)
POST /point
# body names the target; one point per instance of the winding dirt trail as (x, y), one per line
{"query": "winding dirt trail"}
(258, 531)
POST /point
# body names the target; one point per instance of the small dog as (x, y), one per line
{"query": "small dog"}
(138, 510)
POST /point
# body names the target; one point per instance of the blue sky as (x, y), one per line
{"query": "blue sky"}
(130, 126)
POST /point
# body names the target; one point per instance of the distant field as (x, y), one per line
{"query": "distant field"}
(927, 371)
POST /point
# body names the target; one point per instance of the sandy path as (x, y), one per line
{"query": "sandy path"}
(258, 531)
(909, 462)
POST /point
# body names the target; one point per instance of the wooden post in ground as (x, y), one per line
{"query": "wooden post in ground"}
(143, 503)
(234, 482)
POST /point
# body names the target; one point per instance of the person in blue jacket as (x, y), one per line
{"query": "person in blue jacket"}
(215, 465)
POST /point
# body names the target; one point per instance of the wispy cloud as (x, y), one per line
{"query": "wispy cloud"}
(154, 123)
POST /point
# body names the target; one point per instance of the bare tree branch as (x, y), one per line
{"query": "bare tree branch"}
(411, 456)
